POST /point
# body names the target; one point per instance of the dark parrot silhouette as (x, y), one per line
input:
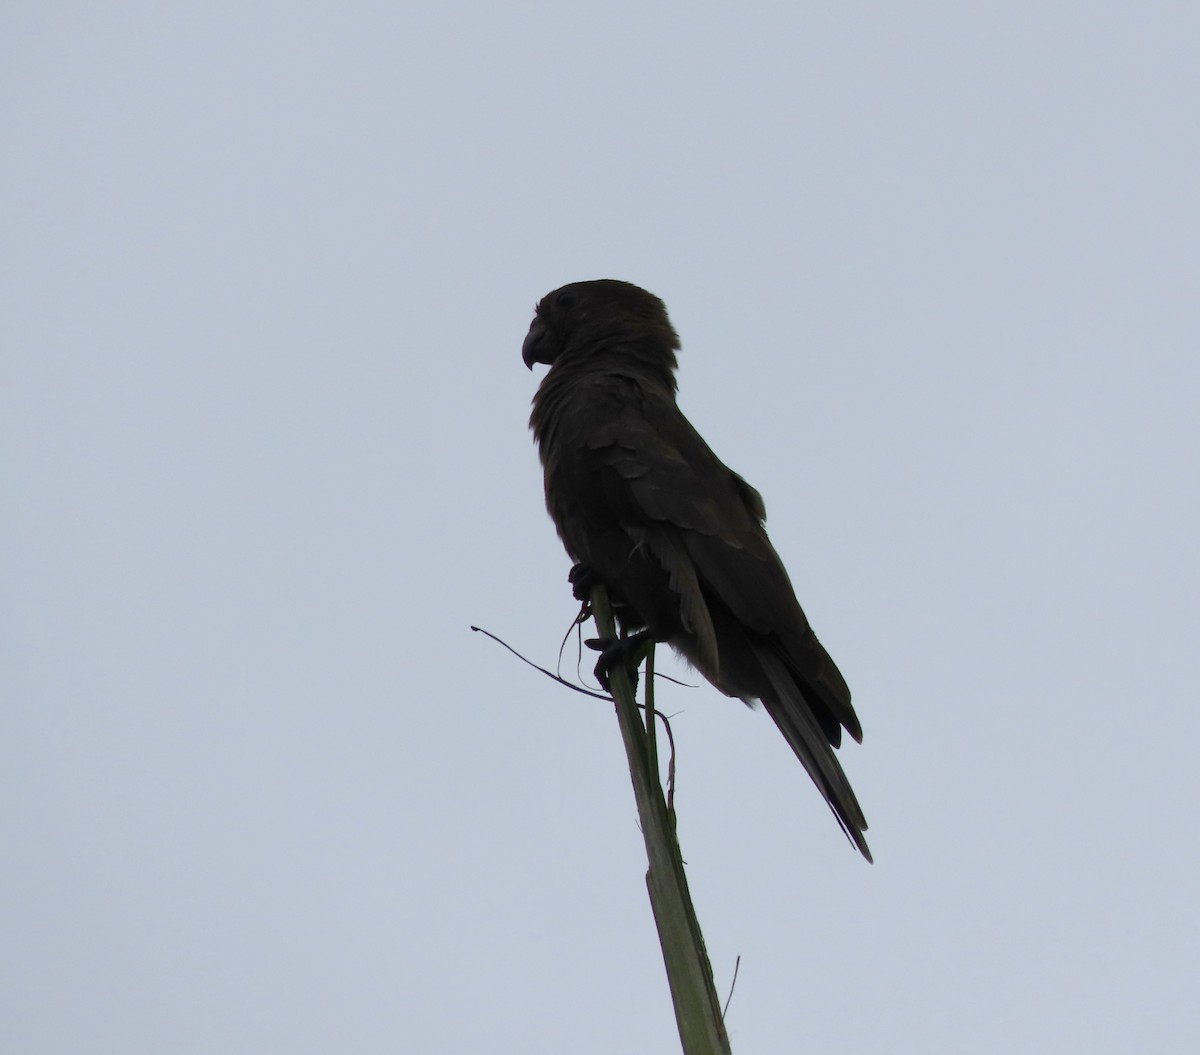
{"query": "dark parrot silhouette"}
(644, 507)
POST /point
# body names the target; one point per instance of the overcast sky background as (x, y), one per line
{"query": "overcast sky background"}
(266, 270)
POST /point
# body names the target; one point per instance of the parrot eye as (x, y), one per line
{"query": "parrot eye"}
(565, 299)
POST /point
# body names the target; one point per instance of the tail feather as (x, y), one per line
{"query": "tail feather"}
(794, 716)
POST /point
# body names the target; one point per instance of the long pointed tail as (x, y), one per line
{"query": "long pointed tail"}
(794, 716)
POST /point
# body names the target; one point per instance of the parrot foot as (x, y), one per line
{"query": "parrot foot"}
(618, 652)
(582, 579)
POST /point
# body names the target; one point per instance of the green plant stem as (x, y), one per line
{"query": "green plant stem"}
(689, 973)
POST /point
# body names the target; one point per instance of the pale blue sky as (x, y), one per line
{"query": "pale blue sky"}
(266, 270)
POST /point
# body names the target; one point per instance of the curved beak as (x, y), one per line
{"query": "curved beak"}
(529, 349)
